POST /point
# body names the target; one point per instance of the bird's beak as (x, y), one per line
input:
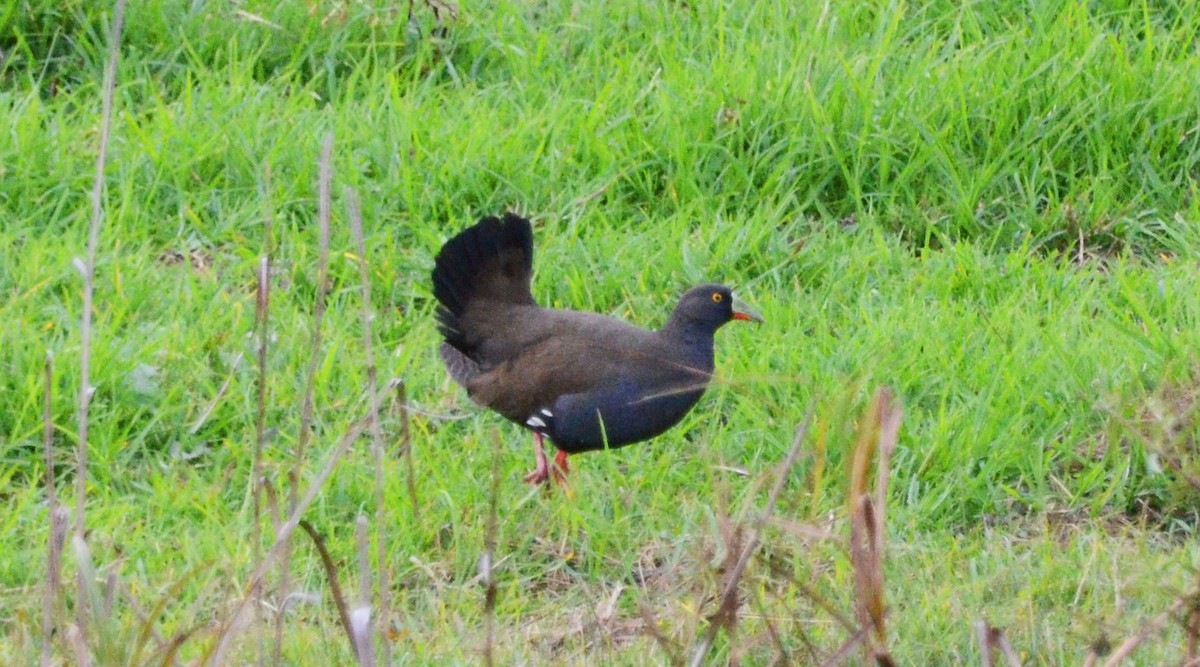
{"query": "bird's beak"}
(742, 311)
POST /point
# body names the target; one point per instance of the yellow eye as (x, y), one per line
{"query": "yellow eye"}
(717, 297)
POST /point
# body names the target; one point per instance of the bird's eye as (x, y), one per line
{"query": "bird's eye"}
(717, 297)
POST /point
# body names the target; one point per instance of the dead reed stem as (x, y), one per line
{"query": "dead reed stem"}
(368, 315)
(728, 601)
(87, 269)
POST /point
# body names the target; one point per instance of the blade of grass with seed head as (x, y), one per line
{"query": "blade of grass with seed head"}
(368, 315)
(87, 269)
(877, 436)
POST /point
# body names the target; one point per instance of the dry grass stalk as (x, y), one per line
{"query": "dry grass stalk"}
(728, 606)
(400, 408)
(229, 629)
(1006, 649)
(55, 604)
(272, 497)
(360, 615)
(381, 519)
(876, 437)
(57, 517)
(487, 559)
(992, 639)
(87, 270)
(335, 589)
(1192, 627)
(110, 591)
(983, 638)
(324, 213)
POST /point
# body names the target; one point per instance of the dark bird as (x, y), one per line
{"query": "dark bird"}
(583, 380)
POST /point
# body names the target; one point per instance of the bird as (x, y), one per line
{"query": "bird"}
(581, 380)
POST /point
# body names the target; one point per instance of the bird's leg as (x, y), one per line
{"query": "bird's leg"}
(560, 467)
(541, 473)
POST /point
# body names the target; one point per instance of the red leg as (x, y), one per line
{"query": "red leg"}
(560, 467)
(541, 473)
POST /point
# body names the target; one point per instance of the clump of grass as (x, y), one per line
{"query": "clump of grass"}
(727, 610)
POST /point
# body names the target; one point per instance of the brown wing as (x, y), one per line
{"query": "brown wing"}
(546, 353)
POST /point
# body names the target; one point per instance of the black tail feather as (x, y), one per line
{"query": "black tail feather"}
(489, 261)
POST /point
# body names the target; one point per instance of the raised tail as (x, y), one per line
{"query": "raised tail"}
(486, 265)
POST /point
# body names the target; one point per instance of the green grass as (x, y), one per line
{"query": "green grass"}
(990, 207)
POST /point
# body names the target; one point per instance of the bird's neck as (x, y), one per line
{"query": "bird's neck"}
(694, 340)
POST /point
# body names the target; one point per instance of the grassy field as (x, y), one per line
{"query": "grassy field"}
(989, 207)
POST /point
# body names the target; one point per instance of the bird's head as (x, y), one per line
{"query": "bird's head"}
(709, 306)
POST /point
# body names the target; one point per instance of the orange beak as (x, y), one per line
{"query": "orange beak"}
(742, 311)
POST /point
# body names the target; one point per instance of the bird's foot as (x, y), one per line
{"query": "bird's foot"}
(560, 468)
(540, 475)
